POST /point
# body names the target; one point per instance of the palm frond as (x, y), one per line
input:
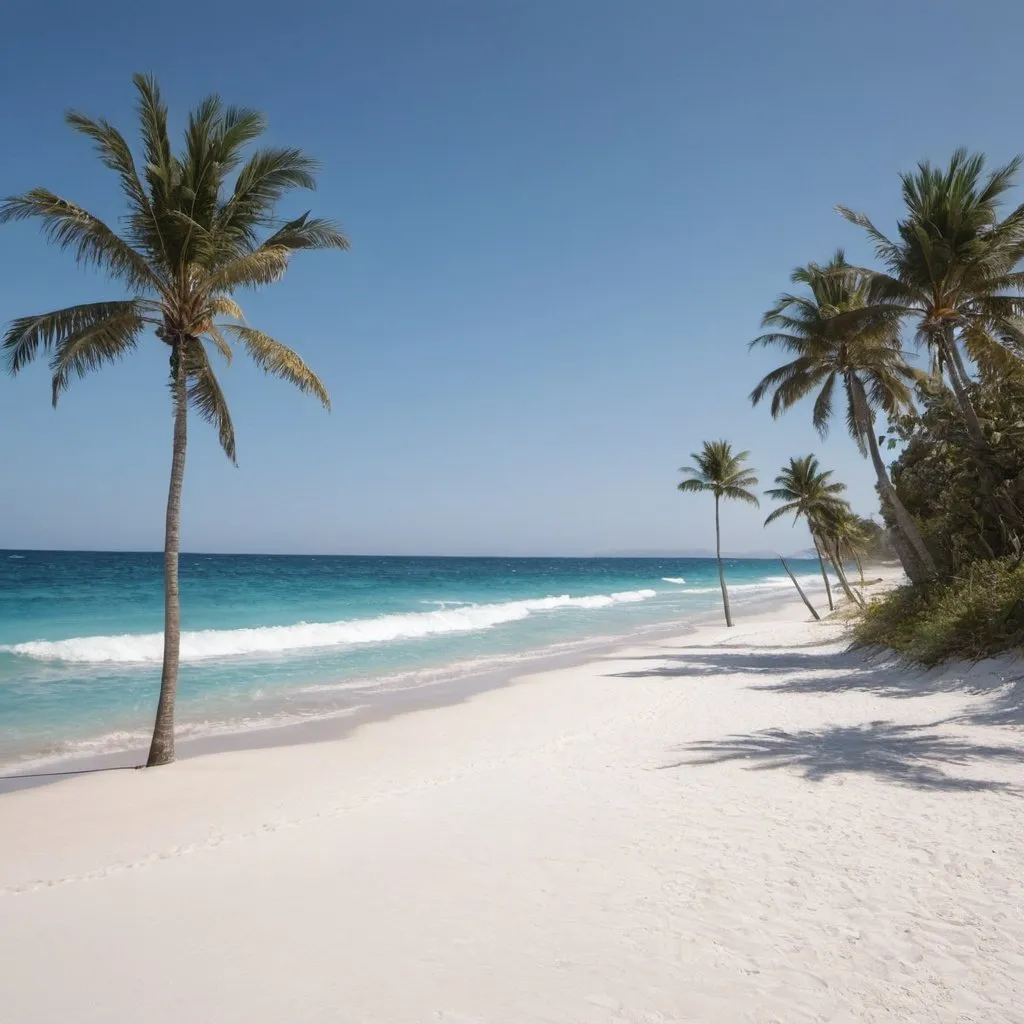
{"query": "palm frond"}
(279, 361)
(782, 510)
(263, 180)
(219, 342)
(249, 270)
(224, 305)
(159, 161)
(854, 426)
(28, 334)
(308, 233)
(885, 249)
(94, 345)
(694, 486)
(822, 414)
(206, 397)
(238, 127)
(741, 494)
(113, 150)
(93, 243)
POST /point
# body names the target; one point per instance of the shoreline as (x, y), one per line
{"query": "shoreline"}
(336, 721)
(729, 825)
(733, 825)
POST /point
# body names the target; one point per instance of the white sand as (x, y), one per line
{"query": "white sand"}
(527, 856)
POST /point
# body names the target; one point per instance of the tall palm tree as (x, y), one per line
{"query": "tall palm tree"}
(806, 491)
(953, 270)
(720, 471)
(863, 357)
(200, 226)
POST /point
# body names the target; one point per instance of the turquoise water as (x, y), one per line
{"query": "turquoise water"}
(272, 639)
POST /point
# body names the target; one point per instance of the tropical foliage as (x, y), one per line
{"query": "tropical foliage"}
(200, 225)
(952, 501)
(861, 358)
(975, 614)
(953, 270)
(953, 498)
(951, 489)
(808, 492)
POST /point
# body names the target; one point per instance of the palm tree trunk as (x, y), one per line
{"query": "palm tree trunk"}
(161, 750)
(799, 590)
(920, 565)
(721, 569)
(958, 379)
(824, 572)
(837, 563)
(860, 569)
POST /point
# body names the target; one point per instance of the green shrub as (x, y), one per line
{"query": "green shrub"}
(976, 614)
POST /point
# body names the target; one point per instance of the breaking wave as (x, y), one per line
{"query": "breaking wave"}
(144, 648)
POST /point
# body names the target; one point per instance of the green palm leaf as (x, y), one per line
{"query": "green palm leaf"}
(93, 243)
(206, 397)
(94, 344)
(28, 335)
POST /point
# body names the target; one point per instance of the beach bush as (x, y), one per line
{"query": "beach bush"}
(966, 499)
(975, 614)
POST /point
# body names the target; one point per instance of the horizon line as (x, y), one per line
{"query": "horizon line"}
(326, 554)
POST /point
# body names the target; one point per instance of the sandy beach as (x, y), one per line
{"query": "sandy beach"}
(749, 825)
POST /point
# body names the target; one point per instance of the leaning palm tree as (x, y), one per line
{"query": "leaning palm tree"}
(840, 530)
(720, 471)
(858, 542)
(200, 226)
(953, 271)
(806, 490)
(863, 357)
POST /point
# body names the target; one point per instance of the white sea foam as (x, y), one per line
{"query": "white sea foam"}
(142, 648)
(768, 583)
(673, 579)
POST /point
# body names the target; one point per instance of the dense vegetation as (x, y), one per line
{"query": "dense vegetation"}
(953, 499)
(975, 614)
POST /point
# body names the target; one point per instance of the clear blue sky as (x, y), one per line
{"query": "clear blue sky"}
(567, 217)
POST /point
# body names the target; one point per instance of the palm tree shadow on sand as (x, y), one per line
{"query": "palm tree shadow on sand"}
(819, 668)
(907, 755)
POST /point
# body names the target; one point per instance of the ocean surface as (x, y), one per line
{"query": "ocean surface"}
(269, 640)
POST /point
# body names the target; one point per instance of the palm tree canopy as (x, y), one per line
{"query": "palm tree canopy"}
(828, 348)
(720, 470)
(954, 263)
(844, 528)
(805, 490)
(201, 225)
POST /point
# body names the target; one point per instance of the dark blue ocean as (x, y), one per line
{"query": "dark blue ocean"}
(273, 639)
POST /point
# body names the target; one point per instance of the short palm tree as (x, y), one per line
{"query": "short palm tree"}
(863, 357)
(806, 492)
(200, 226)
(953, 269)
(720, 471)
